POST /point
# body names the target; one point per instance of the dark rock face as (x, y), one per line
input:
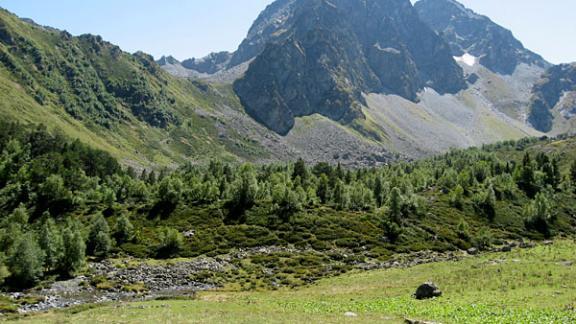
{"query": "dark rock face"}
(167, 60)
(319, 56)
(548, 92)
(209, 64)
(427, 291)
(468, 32)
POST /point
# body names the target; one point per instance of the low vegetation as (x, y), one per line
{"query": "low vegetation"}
(62, 201)
(524, 286)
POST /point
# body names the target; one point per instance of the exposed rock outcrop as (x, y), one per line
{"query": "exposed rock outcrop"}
(319, 56)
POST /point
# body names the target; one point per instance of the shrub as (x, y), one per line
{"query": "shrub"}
(99, 241)
(171, 243)
(26, 262)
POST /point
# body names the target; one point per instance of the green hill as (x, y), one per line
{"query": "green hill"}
(125, 104)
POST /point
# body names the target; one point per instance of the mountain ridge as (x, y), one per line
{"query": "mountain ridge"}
(470, 33)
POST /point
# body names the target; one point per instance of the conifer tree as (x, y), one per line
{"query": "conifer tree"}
(99, 242)
(26, 261)
(395, 205)
(50, 241)
(124, 231)
(74, 251)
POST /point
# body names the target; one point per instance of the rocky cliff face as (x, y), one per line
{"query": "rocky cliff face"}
(557, 84)
(319, 56)
(209, 64)
(470, 33)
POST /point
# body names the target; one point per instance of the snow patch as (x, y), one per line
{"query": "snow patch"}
(467, 59)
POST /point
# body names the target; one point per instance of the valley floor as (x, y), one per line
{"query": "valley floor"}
(524, 286)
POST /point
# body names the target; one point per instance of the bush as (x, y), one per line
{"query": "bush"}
(483, 239)
(26, 262)
(74, 251)
(457, 197)
(171, 243)
(99, 241)
(124, 231)
(4, 272)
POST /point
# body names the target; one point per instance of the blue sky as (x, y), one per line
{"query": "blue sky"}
(194, 28)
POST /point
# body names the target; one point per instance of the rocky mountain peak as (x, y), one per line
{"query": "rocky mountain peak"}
(470, 33)
(553, 97)
(319, 56)
(209, 64)
(167, 60)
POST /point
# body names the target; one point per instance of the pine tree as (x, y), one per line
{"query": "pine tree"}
(288, 205)
(395, 205)
(99, 242)
(171, 243)
(124, 231)
(50, 241)
(527, 181)
(573, 172)
(300, 171)
(74, 251)
(245, 191)
(538, 214)
(20, 215)
(457, 197)
(4, 272)
(379, 191)
(26, 261)
(341, 195)
(323, 190)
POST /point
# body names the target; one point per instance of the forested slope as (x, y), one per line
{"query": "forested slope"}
(62, 201)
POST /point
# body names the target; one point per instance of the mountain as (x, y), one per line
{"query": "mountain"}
(127, 105)
(123, 103)
(469, 33)
(354, 82)
(209, 64)
(322, 55)
(553, 106)
(372, 72)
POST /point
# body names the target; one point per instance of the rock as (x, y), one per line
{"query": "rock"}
(328, 53)
(472, 251)
(427, 290)
(526, 245)
(567, 263)
(547, 243)
(506, 248)
(350, 314)
(411, 321)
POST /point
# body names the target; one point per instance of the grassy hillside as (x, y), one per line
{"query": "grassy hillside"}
(525, 286)
(125, 104)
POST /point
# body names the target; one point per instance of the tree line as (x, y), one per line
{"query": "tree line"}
(57, 196)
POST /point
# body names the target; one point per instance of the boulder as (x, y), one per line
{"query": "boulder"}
(350, 314)
(427, 290)
(472, 251)
(411, 321)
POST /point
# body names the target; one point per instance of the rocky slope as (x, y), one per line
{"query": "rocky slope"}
(320, 56)
(470, 33)
(553, 105)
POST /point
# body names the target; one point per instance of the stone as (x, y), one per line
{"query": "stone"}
(350, 314)
(506, 248)
(427, 290)
(472, 251)
(411, 321)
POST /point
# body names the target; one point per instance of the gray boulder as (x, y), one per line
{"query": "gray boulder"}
(427, 290)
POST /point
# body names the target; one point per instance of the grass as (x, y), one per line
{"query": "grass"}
(524, 286)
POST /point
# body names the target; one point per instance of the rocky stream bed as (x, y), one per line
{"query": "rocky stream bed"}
(133, 280)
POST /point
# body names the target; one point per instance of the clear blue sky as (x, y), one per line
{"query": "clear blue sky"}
(194, 28)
